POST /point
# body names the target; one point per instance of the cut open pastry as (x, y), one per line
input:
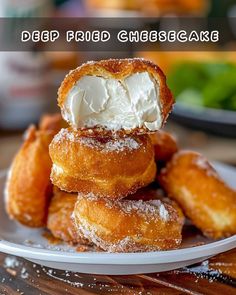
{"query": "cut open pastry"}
(116, 94)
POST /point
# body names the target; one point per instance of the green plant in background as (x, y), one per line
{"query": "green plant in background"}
(204, 84)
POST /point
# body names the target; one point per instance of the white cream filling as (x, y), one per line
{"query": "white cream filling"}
(114, 104)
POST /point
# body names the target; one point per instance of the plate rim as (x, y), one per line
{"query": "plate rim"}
(170, 256)
(105, 258)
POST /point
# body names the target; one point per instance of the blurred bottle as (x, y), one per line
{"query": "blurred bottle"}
(25, 80)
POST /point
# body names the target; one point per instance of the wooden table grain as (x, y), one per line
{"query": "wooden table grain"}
(214, 276)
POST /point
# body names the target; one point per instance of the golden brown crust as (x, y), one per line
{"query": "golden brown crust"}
(204, 197)
(130, 225)
(99, 131)
(28, 188)
(165, 145)
(119, 69)
(52, 122)
(59, 220)
(114, 167)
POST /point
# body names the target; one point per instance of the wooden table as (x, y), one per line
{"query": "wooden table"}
(213, 277)
(216, 276)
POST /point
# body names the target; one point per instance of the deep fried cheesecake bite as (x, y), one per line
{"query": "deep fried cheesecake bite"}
(205, 198)
(165, 145)
(145, 222)
(28, 188)
(59, 220)
(111, 167)
(119, 95)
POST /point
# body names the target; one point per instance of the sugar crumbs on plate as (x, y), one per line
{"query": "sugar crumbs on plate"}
(82, 248)
(50, 238)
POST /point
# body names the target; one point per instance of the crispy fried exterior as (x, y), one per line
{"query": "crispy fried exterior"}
(141, 224)
(114, 167)
(28, 188)
(52, 122)
(165, 145)
(59, 220)
(204, 197)
(119, 69)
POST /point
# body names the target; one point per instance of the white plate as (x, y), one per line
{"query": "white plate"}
(14, 238)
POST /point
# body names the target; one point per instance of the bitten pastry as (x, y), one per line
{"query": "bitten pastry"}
(59, 220)
(104, 166)
(121, 95)
(165, 145)
(129, 225)
(208, 201)
(28, 188)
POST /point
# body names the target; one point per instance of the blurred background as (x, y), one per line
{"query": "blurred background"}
(203, 82)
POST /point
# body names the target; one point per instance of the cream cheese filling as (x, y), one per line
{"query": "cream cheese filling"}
(114, 104)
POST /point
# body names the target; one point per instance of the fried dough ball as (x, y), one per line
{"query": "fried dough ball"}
(204, 197)
(59, 220)
(130, 225)
(52, 122)
(28, 189)
(104, 166)
(165, 145)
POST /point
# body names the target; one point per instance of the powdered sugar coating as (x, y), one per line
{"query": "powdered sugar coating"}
(127, 244)
(109, 145)
(149, 225)
(147, 209)
(118, 145)
(64, 134)
(156, 208)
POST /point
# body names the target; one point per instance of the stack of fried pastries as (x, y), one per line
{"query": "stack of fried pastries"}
(32, 200)
(115, 209)
(92, 185)
(107, 168)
